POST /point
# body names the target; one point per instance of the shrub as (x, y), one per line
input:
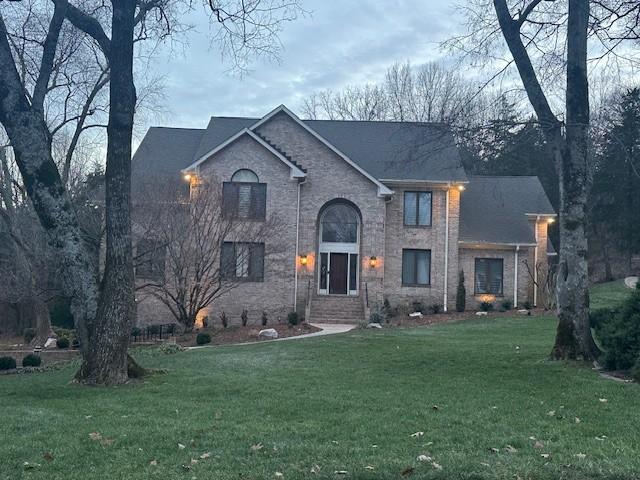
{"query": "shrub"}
(7, 363)
(619, 334)
(62, 342)
(599, 317)
(171, 348)
(506, 305)
(461, 294)
(244, 317)
(203, 338)
(293, 318)
(376, 316)
(31, 360)
(486, 306)
(264, 320)
(223, 320)
(29, 334)
(435, 308)
(527, 305)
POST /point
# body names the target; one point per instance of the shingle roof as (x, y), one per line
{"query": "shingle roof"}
(386, 150)
(494, 209)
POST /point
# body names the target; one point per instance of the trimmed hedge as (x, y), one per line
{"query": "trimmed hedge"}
(32, 360)
(203, 338)
(7, 363)
(619, 334)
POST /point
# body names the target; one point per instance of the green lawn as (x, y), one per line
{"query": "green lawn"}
(608, 294)
(342, 403)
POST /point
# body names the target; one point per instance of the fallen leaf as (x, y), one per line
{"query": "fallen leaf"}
(256, 447)
(436, 466)
(340, 472)
(374, 446)
(407, 471)
(335, 442)
(30, 466)
(205, 455)
(153, 462)
(551, 413)
(193, 461)
(95, 436)
(544, 455)
(48, 456)
(428, 444)
(369, 467)
(602, 438)
(88, 417)
(424, 458)
(279, 474)
(485, 464)
(577, 419)
(181, 446)
(538, 445)
(510, 449)
(417, 434)
(494, 450)
(186, 467)
(532, 438)
(603, 400)
(315, 469)
(435, 407)
(581, 456)
(105, 442)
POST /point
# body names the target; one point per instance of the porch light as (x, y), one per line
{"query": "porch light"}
(551, 220)
(303, 260)
(373, 262)
(187, 177)
(461, 188)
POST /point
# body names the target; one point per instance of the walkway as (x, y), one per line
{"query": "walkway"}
(631, 282)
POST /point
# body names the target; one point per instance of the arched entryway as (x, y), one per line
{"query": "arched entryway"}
(338, 248)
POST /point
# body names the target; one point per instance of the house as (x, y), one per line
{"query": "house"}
(373, 211)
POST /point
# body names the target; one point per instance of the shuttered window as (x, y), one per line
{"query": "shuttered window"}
(244, 200)
(242, 261)
(488, 276)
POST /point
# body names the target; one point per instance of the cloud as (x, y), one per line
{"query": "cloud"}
(341, 43)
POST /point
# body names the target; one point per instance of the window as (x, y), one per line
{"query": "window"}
(417, 209)
(489, 275)
(243, 197)
(242, 261)
(416, 267)
(150, 259)
(340, 224)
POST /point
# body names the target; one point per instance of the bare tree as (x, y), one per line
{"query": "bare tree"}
(103, 308)
(549, 42)
(181, 258)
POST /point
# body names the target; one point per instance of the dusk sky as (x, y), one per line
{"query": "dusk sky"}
(341, 42)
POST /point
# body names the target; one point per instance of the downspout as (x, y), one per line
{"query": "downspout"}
(295, 261)
(535, 264)
(446, 247)
(515, 279)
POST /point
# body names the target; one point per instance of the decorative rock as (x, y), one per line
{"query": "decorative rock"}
(268, 333)
(481, 313)
(374, 325)
(416, 314)
(523, 312)
(51, 342)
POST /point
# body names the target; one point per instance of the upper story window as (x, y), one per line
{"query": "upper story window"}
(150, 259)
(417, 209)
(339, 224)
(244, 197)
(488, 276)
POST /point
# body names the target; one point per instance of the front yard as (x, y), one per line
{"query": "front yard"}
(488, 402)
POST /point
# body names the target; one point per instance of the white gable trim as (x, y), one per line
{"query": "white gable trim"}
(382, 189)
(295, 171)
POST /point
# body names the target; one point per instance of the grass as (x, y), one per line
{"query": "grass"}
(608, 294)
(342, 403)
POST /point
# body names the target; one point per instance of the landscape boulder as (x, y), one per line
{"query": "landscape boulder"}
(268, 333)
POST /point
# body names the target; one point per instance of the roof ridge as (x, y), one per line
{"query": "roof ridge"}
(504, 176)
(402, 122)
(178, 128)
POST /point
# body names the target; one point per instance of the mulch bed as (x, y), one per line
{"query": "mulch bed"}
(405, 320)
(239, 334)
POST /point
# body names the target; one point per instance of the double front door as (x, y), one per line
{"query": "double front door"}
(338, 273)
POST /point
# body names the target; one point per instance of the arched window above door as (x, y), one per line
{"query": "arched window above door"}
(339, 224)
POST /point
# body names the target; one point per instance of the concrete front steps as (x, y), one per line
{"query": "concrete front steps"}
(336, 309)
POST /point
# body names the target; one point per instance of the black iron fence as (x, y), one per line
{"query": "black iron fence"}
(152, 332)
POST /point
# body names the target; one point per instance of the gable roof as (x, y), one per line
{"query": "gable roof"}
(382, 151)
(496, 209)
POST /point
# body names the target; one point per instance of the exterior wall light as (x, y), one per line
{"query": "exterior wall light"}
(551, 220)
(303, 259)
(373, 262)
(187, 177)
(461, 188)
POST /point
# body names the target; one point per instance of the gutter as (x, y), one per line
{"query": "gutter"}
(515, 278)
(535, 264)
(446, 248)
(295, 260)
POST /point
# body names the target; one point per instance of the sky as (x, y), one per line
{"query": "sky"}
(339, 43)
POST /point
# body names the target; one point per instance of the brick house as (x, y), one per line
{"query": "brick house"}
(373, 210)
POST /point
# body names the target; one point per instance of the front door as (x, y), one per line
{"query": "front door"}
(338, 273)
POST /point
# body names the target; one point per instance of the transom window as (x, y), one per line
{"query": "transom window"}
(242, 261)
(417, 209)
(244, 197)
(416, 267)
(339, 224)
(488, 276)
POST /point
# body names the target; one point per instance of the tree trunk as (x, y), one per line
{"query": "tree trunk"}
(43, 321)
(107, 361)
(573, 337)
